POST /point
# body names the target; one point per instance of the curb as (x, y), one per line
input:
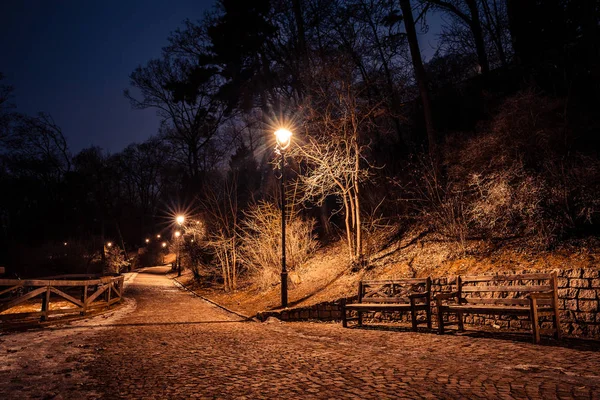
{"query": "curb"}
(246, 318)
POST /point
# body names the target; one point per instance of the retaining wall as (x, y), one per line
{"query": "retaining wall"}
(578, 296)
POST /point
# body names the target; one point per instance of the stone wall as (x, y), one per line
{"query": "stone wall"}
(579, 306)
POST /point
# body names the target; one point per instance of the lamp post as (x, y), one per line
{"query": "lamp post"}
(177, 263)
(283, 137)
(180, 219)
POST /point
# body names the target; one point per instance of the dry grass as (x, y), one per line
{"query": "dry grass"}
(328, 276)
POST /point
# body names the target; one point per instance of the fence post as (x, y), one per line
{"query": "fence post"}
(45, 305)
(84, 296)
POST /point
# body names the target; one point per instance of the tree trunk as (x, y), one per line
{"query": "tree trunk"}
(348, 227)
(421, 77)
(475, 25)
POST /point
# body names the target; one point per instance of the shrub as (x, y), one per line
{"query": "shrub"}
(261, 243)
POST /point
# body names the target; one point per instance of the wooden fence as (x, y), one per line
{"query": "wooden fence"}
(84, 292)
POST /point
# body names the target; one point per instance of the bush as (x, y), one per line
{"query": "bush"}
(261, 243)
(518, 177)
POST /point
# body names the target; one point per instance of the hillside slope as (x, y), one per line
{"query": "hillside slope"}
(328, 275)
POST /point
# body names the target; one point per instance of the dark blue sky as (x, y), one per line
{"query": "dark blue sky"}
(72, 59)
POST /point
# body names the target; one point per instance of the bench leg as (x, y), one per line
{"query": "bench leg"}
(359, 318)
(557, 333)
(440, 320)
(534, 321)
(461, 325)
(413, 314)
(344, 317)
(428, 311)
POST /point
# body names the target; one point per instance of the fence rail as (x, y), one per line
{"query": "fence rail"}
(84, 292)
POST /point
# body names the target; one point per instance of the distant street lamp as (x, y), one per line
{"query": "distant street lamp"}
(109, 244)
(164, 245)
(284, 139)
(158, 236)
(147, 241)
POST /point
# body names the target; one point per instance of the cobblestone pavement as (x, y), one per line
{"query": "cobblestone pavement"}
(166, 344)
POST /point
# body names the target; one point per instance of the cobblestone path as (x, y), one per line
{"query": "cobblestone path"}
(171, 345)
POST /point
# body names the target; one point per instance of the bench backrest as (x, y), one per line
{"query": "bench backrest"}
(392, 291)
(505, 289)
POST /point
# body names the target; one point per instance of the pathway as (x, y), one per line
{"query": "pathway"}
(167, 344)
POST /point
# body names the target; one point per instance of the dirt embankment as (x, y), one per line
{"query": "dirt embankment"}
(329, 276)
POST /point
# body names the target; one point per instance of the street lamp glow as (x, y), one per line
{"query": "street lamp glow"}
(180, 219)
(177, 233)
(109, 244)
(65, 243)
(147, 240)
(283, 137)
(164, 244)
(158, 236)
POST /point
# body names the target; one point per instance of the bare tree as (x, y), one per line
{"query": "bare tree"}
(189, 120)
(333, 155)
(221, 208)
(468, 12)
(40, 141)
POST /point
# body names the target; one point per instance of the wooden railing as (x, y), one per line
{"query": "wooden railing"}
(84, 292)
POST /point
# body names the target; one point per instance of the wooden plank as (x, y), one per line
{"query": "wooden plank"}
(515, 288)
(97, 293)
(113, 301)
(396, 281)
(10, 289)
(534, 321)
(12, 316)
(383, 307)
(41, 282)
(22, 299)
(386, 299)
(71, 277)
(516, 301)
(45, 304)
(116, 289)
(67, 297)
(557, 333)
(493, 278)
(490, 309)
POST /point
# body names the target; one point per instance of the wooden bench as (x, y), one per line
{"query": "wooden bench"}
(529, 295)
(391, 295)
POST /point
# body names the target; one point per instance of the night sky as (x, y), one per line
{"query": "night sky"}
(72, 59)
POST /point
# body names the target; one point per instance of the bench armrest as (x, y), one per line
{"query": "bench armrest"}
(541, 295)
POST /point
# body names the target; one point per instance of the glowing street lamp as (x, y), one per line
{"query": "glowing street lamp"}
(284, 139)
(109, 244)
(147, 241)
(158, 236)
(180, 219)
(164, 244)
